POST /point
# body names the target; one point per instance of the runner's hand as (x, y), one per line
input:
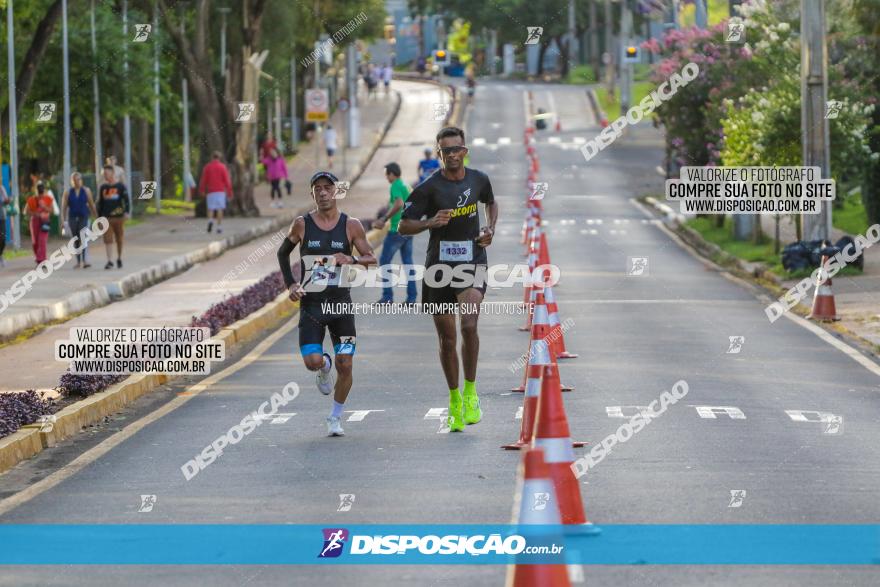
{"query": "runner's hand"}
(440, 219)
(485, 238)
(342, 259)
(378, 223)
(296, 292)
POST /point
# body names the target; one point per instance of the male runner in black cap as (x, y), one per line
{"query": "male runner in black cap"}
(326, 237)
(449, 200)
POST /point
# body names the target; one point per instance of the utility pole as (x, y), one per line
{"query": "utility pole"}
(65, 67)
(99, 156)
(609, 49)
(157, 112)
(702, 15)
(13, 123)
(493, 50)
(352, 118)
(594, 40)
(572, 56)
(294, 134)
(278, 136)
(126, 121)
(814, 94)
(187, 172)
(626, 70)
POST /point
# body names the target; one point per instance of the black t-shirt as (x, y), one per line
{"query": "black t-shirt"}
(112, 200)
(454, 243)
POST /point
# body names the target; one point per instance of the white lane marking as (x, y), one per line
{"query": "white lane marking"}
(802, 416)
(276, 418)
(617, 411)
(110, 443)
(359, 415)
(579, 140)
(554, 140)
(495, 125)
(519, 412)
(503, 140)
(436, 414)
(709, 412)
(823, 334)
(478, 141)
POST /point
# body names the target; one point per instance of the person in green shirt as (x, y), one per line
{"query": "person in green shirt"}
(395, 241)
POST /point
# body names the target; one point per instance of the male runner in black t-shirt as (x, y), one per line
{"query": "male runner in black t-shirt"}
(326, 237)
(450, 200)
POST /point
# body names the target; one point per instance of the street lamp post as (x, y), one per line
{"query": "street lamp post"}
(126, 121)
(65, 67)
(99, 157)
(157, 113)
(13, 122)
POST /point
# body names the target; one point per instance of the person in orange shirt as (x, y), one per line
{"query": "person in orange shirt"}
(39, 208)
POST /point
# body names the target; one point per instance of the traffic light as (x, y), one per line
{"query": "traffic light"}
(441, 57)
(631, 54)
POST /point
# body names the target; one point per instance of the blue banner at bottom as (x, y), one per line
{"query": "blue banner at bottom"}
(354, 544)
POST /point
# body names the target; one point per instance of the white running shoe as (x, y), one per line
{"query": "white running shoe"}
(334, 426)
(324, 379)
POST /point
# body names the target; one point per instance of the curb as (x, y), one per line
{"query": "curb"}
(454, 116)
(30, 439)
(601, 117)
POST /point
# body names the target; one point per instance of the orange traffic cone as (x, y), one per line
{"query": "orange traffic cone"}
(535, 504)
(540, 330)
(539, 356)
(536, 167)
(552, 434)
(556, 332)
(823, 300)
(543, 251)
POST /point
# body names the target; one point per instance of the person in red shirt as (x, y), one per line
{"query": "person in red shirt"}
(39, 209)
(216, 184)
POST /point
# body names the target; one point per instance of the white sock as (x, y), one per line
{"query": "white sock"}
(326, 367)
(337, 409)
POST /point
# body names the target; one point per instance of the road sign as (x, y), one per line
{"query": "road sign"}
(342, 105)
(317, 102)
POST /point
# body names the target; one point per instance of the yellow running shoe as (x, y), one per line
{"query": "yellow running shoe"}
(472, 411)
(455, 419)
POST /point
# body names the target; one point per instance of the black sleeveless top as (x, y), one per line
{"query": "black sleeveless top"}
(321, 280)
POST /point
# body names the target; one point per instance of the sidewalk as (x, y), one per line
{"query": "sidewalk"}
(30, 364)
(163, 246)
(857, 298)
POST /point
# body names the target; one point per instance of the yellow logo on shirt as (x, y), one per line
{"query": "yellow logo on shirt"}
(464, 211)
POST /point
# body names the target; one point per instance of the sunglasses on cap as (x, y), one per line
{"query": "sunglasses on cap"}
(452, 150)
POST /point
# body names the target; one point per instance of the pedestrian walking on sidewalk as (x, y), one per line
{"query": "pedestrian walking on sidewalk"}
(113, 205)
(39, 208)
(4, 201)
(330, 144)
(276, 170)
(118, 170)
(386, 77)
(76, 205)
(394, 241)
(216, 184)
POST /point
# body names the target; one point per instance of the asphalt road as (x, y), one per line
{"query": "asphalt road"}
(636, 335)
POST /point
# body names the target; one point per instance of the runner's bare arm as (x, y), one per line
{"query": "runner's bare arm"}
(294, 237)
(407, 226)
(358, 237)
